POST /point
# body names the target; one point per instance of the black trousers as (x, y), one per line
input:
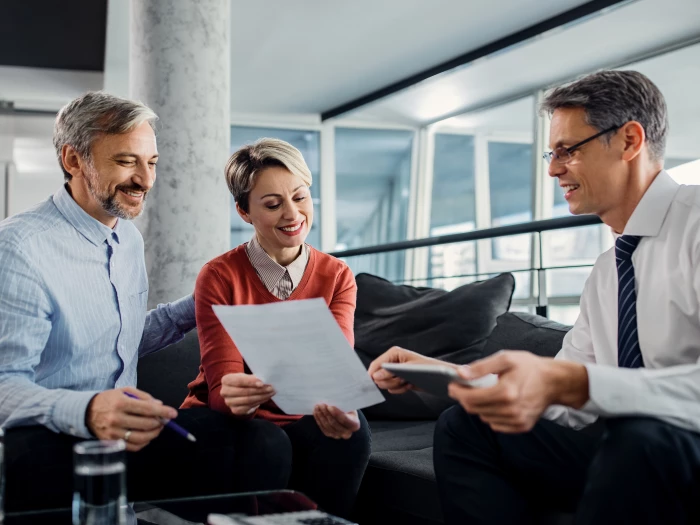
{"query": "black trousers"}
(638, 471)
(229, 456)
(327, 470)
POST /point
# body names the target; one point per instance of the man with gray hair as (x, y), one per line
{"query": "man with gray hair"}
(73, 324)
(632, 358)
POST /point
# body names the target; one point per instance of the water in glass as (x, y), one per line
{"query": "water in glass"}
(99, 494)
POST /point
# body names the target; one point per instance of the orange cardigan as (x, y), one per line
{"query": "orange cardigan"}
(230, 279)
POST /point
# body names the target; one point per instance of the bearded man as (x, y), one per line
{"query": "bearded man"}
(73, 324)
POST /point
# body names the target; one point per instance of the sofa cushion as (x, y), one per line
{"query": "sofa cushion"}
(524, 331)
(401, 436)
(399, 483)
(165, 374)
(449, 325)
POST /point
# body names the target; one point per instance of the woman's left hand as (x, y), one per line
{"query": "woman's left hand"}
(336, 424)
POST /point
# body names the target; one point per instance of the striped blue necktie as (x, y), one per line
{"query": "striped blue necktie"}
(629, 354)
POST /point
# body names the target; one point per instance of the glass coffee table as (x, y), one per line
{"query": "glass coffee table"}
(247, 508)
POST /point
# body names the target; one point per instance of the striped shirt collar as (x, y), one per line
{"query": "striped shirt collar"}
(89, 227)
(269, 271)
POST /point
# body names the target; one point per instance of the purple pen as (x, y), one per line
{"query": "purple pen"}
(171, 424)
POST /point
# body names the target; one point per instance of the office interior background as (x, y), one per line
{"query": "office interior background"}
(417, 118)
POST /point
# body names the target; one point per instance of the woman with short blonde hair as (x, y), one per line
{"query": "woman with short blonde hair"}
(270, 183)
(247, 162)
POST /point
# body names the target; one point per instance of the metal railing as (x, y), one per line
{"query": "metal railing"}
(536, 227)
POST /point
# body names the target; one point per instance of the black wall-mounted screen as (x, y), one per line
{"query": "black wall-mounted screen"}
(57, 34)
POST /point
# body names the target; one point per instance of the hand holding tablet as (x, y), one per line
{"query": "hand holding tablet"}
(436, 378)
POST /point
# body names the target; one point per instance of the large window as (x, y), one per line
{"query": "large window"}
(482, 177)
(570, 248)
(452, 210)
(677, 74)
(373, 177)
(475, 171)
(510, 181)
(308, 143)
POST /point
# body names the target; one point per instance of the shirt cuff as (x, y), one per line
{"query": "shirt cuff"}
(68, 414)
(569, 417)
(613, 391)
(182, 312)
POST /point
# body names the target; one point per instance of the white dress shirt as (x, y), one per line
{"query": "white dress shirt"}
(667, 282)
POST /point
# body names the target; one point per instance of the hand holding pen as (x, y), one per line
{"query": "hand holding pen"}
(167, 422)
(126, 413)
(136, 419)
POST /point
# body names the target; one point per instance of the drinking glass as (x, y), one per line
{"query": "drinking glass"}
(99, 483)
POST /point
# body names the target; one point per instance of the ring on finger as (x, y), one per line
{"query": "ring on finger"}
(127, 435)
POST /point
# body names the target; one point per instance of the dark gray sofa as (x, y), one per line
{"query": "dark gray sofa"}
(399, 485)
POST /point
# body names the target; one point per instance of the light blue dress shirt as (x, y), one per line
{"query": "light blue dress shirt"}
(73, 318)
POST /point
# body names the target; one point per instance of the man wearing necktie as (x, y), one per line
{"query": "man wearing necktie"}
(528, 443)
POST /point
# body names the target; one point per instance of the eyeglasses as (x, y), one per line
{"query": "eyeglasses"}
(562, 155)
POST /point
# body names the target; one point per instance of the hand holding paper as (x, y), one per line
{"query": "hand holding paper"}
(244, 393)
(298, 348)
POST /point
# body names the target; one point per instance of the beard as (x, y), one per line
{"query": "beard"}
(108, 201)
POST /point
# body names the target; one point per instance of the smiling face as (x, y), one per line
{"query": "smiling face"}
(281, 211)
(595, 179)
(115, 181)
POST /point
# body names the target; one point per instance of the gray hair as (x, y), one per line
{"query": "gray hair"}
(244, 166)
(613, 98)
(81, 121)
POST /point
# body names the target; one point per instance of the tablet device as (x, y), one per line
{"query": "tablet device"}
(436, 378)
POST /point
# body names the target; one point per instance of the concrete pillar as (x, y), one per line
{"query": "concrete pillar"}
(180, 66)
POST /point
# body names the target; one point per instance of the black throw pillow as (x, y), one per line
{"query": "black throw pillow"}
(523, 331)
(452, 326)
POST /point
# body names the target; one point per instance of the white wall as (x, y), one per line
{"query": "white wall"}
(39, 88)
(34, 170)
(25, 191)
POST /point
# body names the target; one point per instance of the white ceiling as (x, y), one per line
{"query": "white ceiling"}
(608, 39)
(305, 57)
(309, 56)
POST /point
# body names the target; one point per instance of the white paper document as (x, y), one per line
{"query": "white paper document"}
(299, 349)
